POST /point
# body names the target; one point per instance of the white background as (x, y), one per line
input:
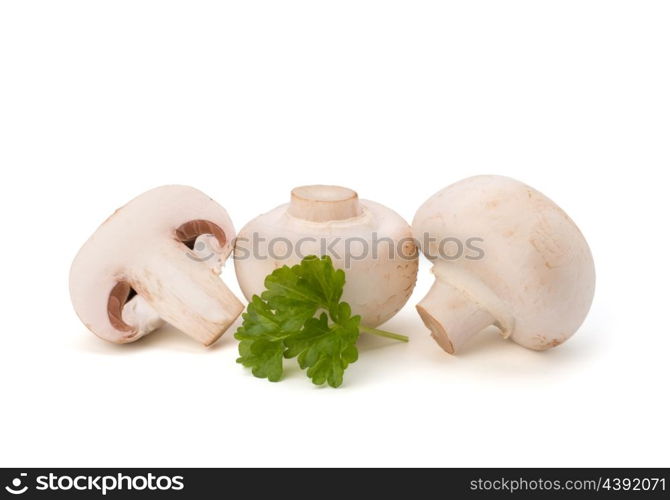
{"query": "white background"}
(100, 101)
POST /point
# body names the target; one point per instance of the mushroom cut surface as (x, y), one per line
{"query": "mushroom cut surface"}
(155, 260)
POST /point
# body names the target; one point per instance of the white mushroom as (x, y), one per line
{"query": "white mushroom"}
(532, 274)
(157, 259)
(370, 242)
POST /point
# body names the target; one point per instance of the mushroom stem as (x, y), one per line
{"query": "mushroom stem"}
(384, 333)
(458, 307)
(324, 203)
(141, 316)
(185, 293)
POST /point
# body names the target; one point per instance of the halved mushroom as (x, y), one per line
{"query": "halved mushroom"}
(157, 259)
(533, 277)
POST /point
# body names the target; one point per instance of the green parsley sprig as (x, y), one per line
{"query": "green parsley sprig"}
(301, 314)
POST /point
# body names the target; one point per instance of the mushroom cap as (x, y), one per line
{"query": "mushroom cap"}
(158, 224)
(376, 288)
(535, 259)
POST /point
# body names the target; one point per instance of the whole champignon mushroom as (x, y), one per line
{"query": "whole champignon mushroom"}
(370, 242)
(534, 278)
(157, 259)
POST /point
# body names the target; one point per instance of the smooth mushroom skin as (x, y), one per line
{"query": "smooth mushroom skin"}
(535, 279)
(157, 259)
(331, 220)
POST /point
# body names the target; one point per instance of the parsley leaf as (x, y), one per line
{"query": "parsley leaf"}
(261, 341)
(283, 323)
(326, 350)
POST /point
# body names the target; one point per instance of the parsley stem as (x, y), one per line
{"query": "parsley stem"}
(384, 333)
